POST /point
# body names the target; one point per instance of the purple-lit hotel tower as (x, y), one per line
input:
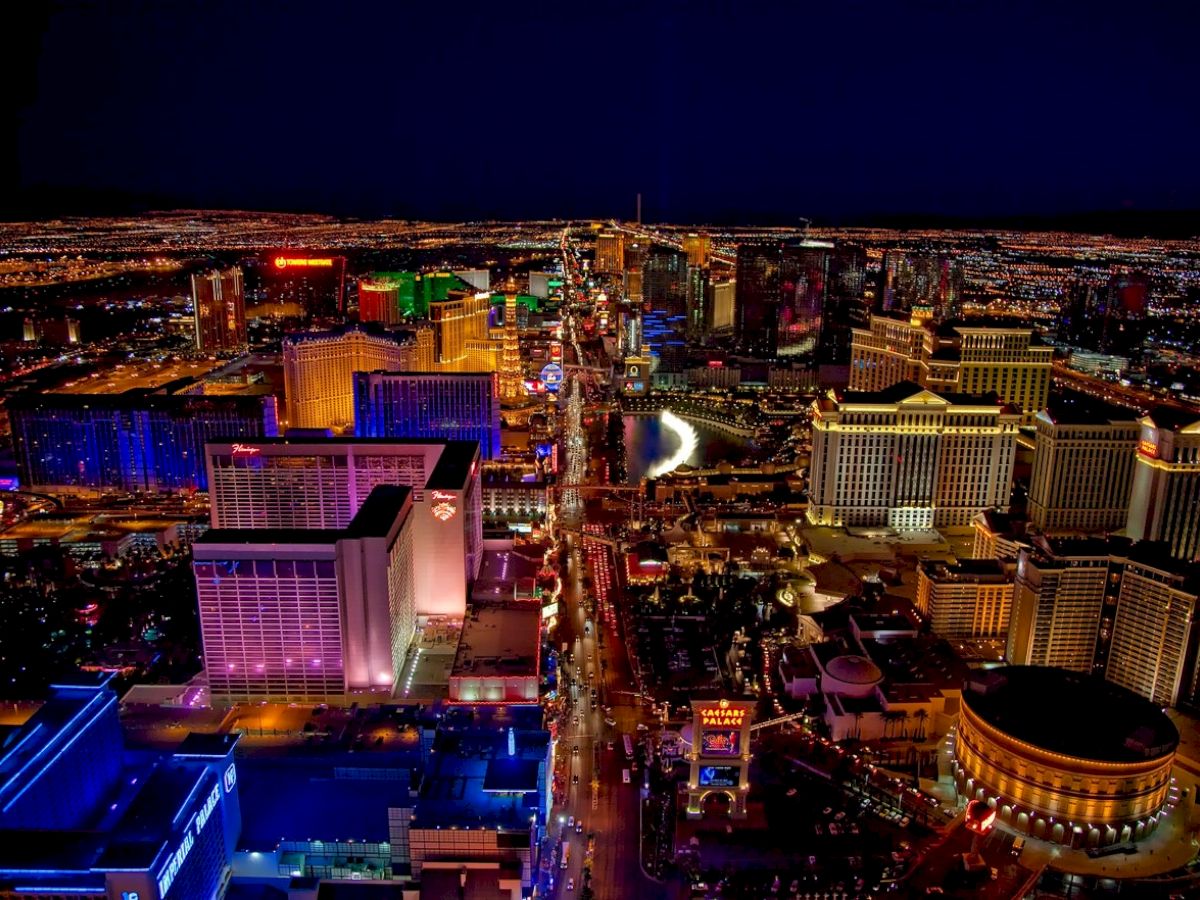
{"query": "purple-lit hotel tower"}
(322, 484)
(309, 614)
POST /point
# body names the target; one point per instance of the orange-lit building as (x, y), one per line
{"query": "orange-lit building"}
(1064, 757)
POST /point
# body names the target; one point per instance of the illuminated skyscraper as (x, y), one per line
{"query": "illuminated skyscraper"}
(302, 285)
(697, 247)
(847, 305)
(719, 302)
(449, 406)
(319, 367)
(1082, 465)
(610, 253)
(969, 357)
(84, 817)
(297, 615)
(635, 257)
(511, 387)
(139, 440)
(921, 280)
(1057, 601)
(460, 317)
(319, 484)
(757, 298)
(1123, 323)
(803, 288)
(908, 458)
(1153, 649)
(970, 598)
(664, 281)
(1165, 504)
(1109, 607)
(629, 327)
(219, 304)
(697, 295)
(379, 300)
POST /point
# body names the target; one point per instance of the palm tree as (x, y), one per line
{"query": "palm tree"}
(921, 716)
(890, 718)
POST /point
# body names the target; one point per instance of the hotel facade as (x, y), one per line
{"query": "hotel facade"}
(908, 458)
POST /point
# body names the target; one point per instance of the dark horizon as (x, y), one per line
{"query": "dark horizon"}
(864, 112)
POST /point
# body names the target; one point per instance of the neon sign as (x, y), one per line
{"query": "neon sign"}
(175, 861)
(722, 716)
(443, 507)
(245, 450)
(1148, 448)
(303, 262)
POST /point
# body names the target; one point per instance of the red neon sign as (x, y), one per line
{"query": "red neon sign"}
(246, 450)
(300, 262)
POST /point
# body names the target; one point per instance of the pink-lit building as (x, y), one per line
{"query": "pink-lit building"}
(309, 615)
(311, 483)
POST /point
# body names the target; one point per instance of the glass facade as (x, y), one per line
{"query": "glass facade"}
(416, 405)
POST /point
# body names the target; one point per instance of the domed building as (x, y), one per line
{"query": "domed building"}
(851, 676)
(1064, 757)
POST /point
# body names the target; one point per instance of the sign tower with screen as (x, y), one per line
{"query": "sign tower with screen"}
(720, 755)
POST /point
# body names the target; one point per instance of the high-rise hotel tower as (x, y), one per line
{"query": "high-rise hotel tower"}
(908, 458)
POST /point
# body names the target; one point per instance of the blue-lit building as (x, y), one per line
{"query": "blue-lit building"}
(82, 817)
(381, 807)
(484, 795)
(447, 406)
(138, 440)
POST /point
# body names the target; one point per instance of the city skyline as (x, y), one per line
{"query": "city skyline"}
(588, 452)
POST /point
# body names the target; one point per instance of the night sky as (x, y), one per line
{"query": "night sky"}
(715, 112)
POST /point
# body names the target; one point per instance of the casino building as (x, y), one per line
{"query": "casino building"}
(319, 484)
(461, 406)
(1064, 757)
(82, 817)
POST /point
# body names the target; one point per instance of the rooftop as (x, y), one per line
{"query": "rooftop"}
(972, 570)
(320, 797)
(1067, 407)
(903, 390)
(1174, 418)
(472, 780)
(499, 641)
(455, 466)
(1076, 715)
(74, 703)
(379, 511)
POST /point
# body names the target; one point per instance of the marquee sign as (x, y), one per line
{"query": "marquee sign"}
(552, 376)
(722, 716)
